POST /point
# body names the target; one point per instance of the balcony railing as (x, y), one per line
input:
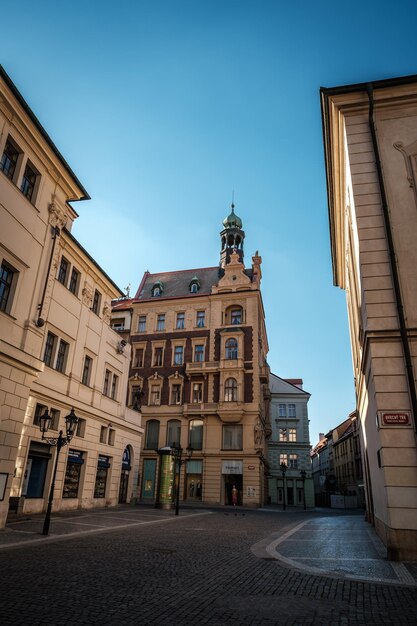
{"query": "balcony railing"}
(202, 367)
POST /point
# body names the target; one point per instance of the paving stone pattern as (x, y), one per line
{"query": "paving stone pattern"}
(187, 570)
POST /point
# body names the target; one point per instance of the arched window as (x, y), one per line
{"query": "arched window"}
(152, 435)
(194, 284)
(230, 390)
(231, 349)
(196, 434)
(157, 289)
(233, 315)
(173, 432)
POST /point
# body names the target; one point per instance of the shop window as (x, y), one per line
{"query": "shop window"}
(103, 466)
(232, 437)
(231, 349)
(173, 432)
(230, 390)
(152, 435)
(196, 434)
(73, 474)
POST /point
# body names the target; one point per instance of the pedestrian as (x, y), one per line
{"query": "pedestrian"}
(234, 495)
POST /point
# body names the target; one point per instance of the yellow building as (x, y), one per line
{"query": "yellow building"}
(370, 137)
(57, 349)
(199, 372)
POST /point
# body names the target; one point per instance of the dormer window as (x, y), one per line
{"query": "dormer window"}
(157, 289)
(194, 285)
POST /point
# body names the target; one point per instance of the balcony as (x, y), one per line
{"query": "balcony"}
(202, 367)
(230, 412)
(196, 408)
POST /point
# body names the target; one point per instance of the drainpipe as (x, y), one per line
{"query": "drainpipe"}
(40, 321)
(393, 261)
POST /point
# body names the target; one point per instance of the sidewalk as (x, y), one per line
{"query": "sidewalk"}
(343, 546)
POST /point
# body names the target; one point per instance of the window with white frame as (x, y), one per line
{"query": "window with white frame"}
(142, 324)
(230, 390)
(160, 322)
(198, 353)
(155, 394)
(282, 410)
(201, 319)
(180, 323)
(293, 461)
(176, 393)
(158, 356)
(231, 349)
(291, 410)
(178, 355)
(139, 357)
(283, 434)
(197, 393)
(283, 459)
(292, 434)
(232, 437)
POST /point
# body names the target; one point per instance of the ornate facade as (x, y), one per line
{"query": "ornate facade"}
(199, 373)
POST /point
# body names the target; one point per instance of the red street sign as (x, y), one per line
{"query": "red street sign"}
(251, 467)
(395, 419)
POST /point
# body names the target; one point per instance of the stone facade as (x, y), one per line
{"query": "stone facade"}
(289, 443)
(54, 312)
(370, 136)
(199, 372)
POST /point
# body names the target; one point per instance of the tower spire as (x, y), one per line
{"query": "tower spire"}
(232, 236)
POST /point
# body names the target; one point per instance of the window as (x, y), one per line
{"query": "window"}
(160, 324)
(231, 349)
(63, 271)
(152, 435)
(55, 414)
(236, 316)
(283, 458)
(61, 358)
(139, 356)
(293, 461)
(80, 432)
(198, 353)
(112, 437)
(292, 434)
(282, 410)
(9, 159)
(114, 385)
(73, 285)
(101, 476)
(291, 410)
(39, 411)
(103, 434)
(96, 303)
(106, 385)
(194, 288)
(194, 284)
(232, 436)
(142, 324)
(230, 390)
(118, 324)
(88, 364)
(158, 357)
(197, 393)
(7, 276)
(176, 394)
(201, 319)
(180, 320)
(196, 434)
(157, 289)
(283, 434)
(173, 432)
(28, 182)
(155, 395)
(178, 355)
(49, 349)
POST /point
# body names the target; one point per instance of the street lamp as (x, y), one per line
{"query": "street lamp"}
(303, 475)
(176, 452)
(45, 421)
(284, 468)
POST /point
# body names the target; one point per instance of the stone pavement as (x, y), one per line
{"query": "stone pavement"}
(136, 565)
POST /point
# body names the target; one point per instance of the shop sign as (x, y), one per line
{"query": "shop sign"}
(251, 492)
(232, 467)
(251, 467)
(394, 418)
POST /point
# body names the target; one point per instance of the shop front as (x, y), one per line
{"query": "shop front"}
(72, 478)
(36, 468)
(148, 479)
(232, 479)
(103, 466)
(194, 480)
(124, 476)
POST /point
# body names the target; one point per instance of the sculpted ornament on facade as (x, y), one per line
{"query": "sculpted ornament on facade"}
(87, 295)
(107, 312)
(258, 433)
(57, 216)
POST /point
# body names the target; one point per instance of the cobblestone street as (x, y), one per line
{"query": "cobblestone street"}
(204, 567)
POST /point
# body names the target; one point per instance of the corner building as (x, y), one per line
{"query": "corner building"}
(370, 140)
(199, 372)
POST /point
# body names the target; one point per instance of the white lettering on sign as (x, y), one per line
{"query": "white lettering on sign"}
(232, 467)
(394, 418)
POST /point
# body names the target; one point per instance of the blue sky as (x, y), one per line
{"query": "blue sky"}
(163, 108)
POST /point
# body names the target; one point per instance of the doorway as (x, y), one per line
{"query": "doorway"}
(230, 481)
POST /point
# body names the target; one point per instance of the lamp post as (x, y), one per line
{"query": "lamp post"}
(45, 421)
(176, 452)
(284, 468)
(303, 475)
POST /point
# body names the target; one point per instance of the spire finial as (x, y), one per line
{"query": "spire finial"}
(233, 201)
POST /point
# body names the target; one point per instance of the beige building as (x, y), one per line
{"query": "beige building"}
(370, 137)
(57, 350)
(199, 371)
